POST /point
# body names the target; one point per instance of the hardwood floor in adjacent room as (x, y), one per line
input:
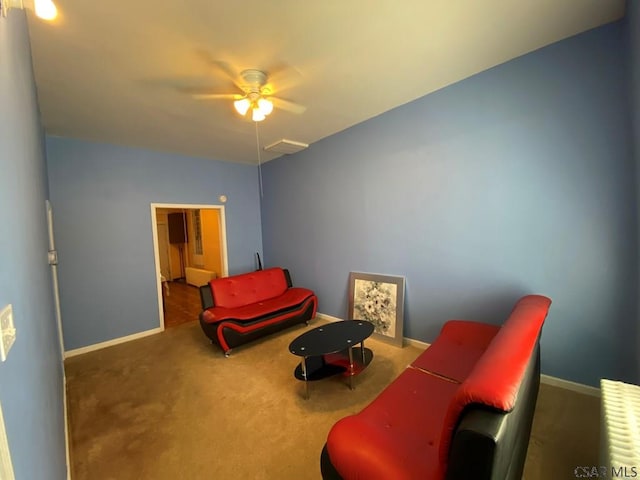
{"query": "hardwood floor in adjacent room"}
(181, 304)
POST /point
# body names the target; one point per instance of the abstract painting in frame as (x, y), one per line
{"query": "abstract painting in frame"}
(378, 299)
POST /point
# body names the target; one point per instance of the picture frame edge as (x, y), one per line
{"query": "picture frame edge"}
(399, 281)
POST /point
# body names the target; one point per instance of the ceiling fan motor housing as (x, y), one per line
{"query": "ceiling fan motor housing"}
(253, 79)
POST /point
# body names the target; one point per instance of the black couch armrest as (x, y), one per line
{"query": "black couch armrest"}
(492, 445)
(287, 277)
(206, 296)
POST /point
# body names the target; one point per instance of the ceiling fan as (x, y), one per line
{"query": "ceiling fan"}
(255, 96)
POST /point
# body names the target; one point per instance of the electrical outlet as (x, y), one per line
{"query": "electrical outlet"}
(7, 330)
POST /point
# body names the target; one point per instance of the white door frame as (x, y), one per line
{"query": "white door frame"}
(156, 250)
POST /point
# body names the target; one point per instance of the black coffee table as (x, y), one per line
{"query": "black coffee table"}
(330, 350)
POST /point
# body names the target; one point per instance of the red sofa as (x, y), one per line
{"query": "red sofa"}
(241, 308)
(463, 409)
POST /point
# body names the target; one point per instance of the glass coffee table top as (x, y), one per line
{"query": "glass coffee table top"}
(331, 338)
(331, 350)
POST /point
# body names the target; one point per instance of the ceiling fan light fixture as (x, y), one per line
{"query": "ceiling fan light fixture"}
(265, 106)
(242, 105)
(257, 115)
(45, 9)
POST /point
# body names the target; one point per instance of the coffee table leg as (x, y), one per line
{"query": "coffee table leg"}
(362, 349)
(304, 374)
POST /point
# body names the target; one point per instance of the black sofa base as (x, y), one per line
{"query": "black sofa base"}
(235, 338)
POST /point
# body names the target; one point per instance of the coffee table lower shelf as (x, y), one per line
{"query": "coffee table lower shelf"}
(323, 366)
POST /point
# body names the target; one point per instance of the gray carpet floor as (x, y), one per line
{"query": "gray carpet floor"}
(171, 406)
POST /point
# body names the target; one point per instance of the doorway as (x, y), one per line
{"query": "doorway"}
(185, 260)
(163, 251)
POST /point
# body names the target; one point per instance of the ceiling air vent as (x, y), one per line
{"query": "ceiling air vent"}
(286, 146)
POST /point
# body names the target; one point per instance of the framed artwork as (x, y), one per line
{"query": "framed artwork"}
(378, 299)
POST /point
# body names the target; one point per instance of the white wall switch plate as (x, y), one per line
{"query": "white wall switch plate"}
(7, 330)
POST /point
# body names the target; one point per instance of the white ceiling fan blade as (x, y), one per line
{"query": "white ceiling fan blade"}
(216, 96)
(287, 105)
(229, 72)
(221, 65)
(283, 77)
(208, 93)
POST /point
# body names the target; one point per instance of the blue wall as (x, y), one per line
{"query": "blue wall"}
(31, 378)
(101, 196)
(517, 180)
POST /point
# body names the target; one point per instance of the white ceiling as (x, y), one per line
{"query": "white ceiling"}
(115, 72)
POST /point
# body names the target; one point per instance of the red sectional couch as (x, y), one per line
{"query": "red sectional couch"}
(241, 308)
(462, 410)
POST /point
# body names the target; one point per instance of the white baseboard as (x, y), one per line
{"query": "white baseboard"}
(416, 343)
(109, 343)
(328, 318)
(569, 385)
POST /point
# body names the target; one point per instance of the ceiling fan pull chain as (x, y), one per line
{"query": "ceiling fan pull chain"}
(259, 163)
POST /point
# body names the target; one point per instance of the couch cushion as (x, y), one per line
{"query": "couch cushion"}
(457, 349)
(496, 378)
(248, 288)
(398, 434)
(290, 298)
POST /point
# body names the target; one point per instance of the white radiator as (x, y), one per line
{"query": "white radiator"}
(620, 428)
(198, 276)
